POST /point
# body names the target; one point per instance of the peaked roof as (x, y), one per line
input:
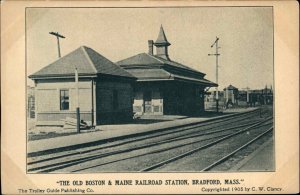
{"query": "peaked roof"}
(230, 87)
(86, 60)
(161, 74)
(139, 59)
(144, 59)
(162, 39)
(152, 68)
(148, 67)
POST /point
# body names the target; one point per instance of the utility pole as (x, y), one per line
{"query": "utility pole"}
(217, 66)
(248, 98)
(77, 101)
(247, 88)
(57, 36)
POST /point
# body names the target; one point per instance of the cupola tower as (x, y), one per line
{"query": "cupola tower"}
(162, 45)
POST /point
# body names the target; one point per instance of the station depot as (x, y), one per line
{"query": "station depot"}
(164, 86)
(144, 84)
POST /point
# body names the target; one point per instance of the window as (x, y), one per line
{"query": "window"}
(115, 99)
(64, 99)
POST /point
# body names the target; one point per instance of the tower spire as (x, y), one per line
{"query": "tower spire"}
(162, 44)
(162, 39)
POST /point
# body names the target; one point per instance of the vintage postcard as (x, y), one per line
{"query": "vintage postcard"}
(148, 97)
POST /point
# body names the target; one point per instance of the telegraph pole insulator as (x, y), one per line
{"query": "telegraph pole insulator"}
(57, 36)
(217, 66)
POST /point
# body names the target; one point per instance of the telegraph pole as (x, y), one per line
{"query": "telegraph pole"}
(217, 66)
(77, 101)
(248, 98)
(57, 36)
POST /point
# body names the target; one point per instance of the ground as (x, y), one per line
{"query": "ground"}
(132, 147)
(35, 133)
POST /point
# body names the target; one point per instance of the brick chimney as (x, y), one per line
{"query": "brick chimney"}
(150, 45)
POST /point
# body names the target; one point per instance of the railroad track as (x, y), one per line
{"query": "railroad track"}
(229, 117)
(211, 144)
(142, 137)
(183, 139)
(223, 159)
(208, 158)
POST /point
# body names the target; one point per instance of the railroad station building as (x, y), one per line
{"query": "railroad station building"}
(105, 89)
(231, 94)
(164, 86)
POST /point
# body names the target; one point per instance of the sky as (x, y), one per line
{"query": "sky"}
(245, 38)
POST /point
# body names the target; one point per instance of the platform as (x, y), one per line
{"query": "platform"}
(107, 132)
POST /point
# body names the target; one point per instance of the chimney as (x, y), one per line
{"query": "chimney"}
(150, 45)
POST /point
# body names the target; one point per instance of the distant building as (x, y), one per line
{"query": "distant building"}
(257, 96)
(210, 100)
(105, 89)
(30, 102)
(165, 87)
(230, 95)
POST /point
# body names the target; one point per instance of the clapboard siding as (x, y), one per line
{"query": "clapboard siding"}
(58, 116)
(48, 100)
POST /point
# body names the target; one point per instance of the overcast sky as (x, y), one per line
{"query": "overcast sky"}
(246, 38)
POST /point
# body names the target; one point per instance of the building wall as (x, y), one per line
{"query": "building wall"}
(30, 102)
(169, 98)
(148, 99)
(230, 97)
(183, 99)
(48, 100)
(113, 101)
(138, 102)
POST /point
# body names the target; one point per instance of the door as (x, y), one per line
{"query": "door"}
(147, 102)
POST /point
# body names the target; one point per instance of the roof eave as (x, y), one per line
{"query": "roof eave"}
(186, 70)
(207, 84)
(111, 75)
(51, 76)
(139, 66)
(152, 79)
